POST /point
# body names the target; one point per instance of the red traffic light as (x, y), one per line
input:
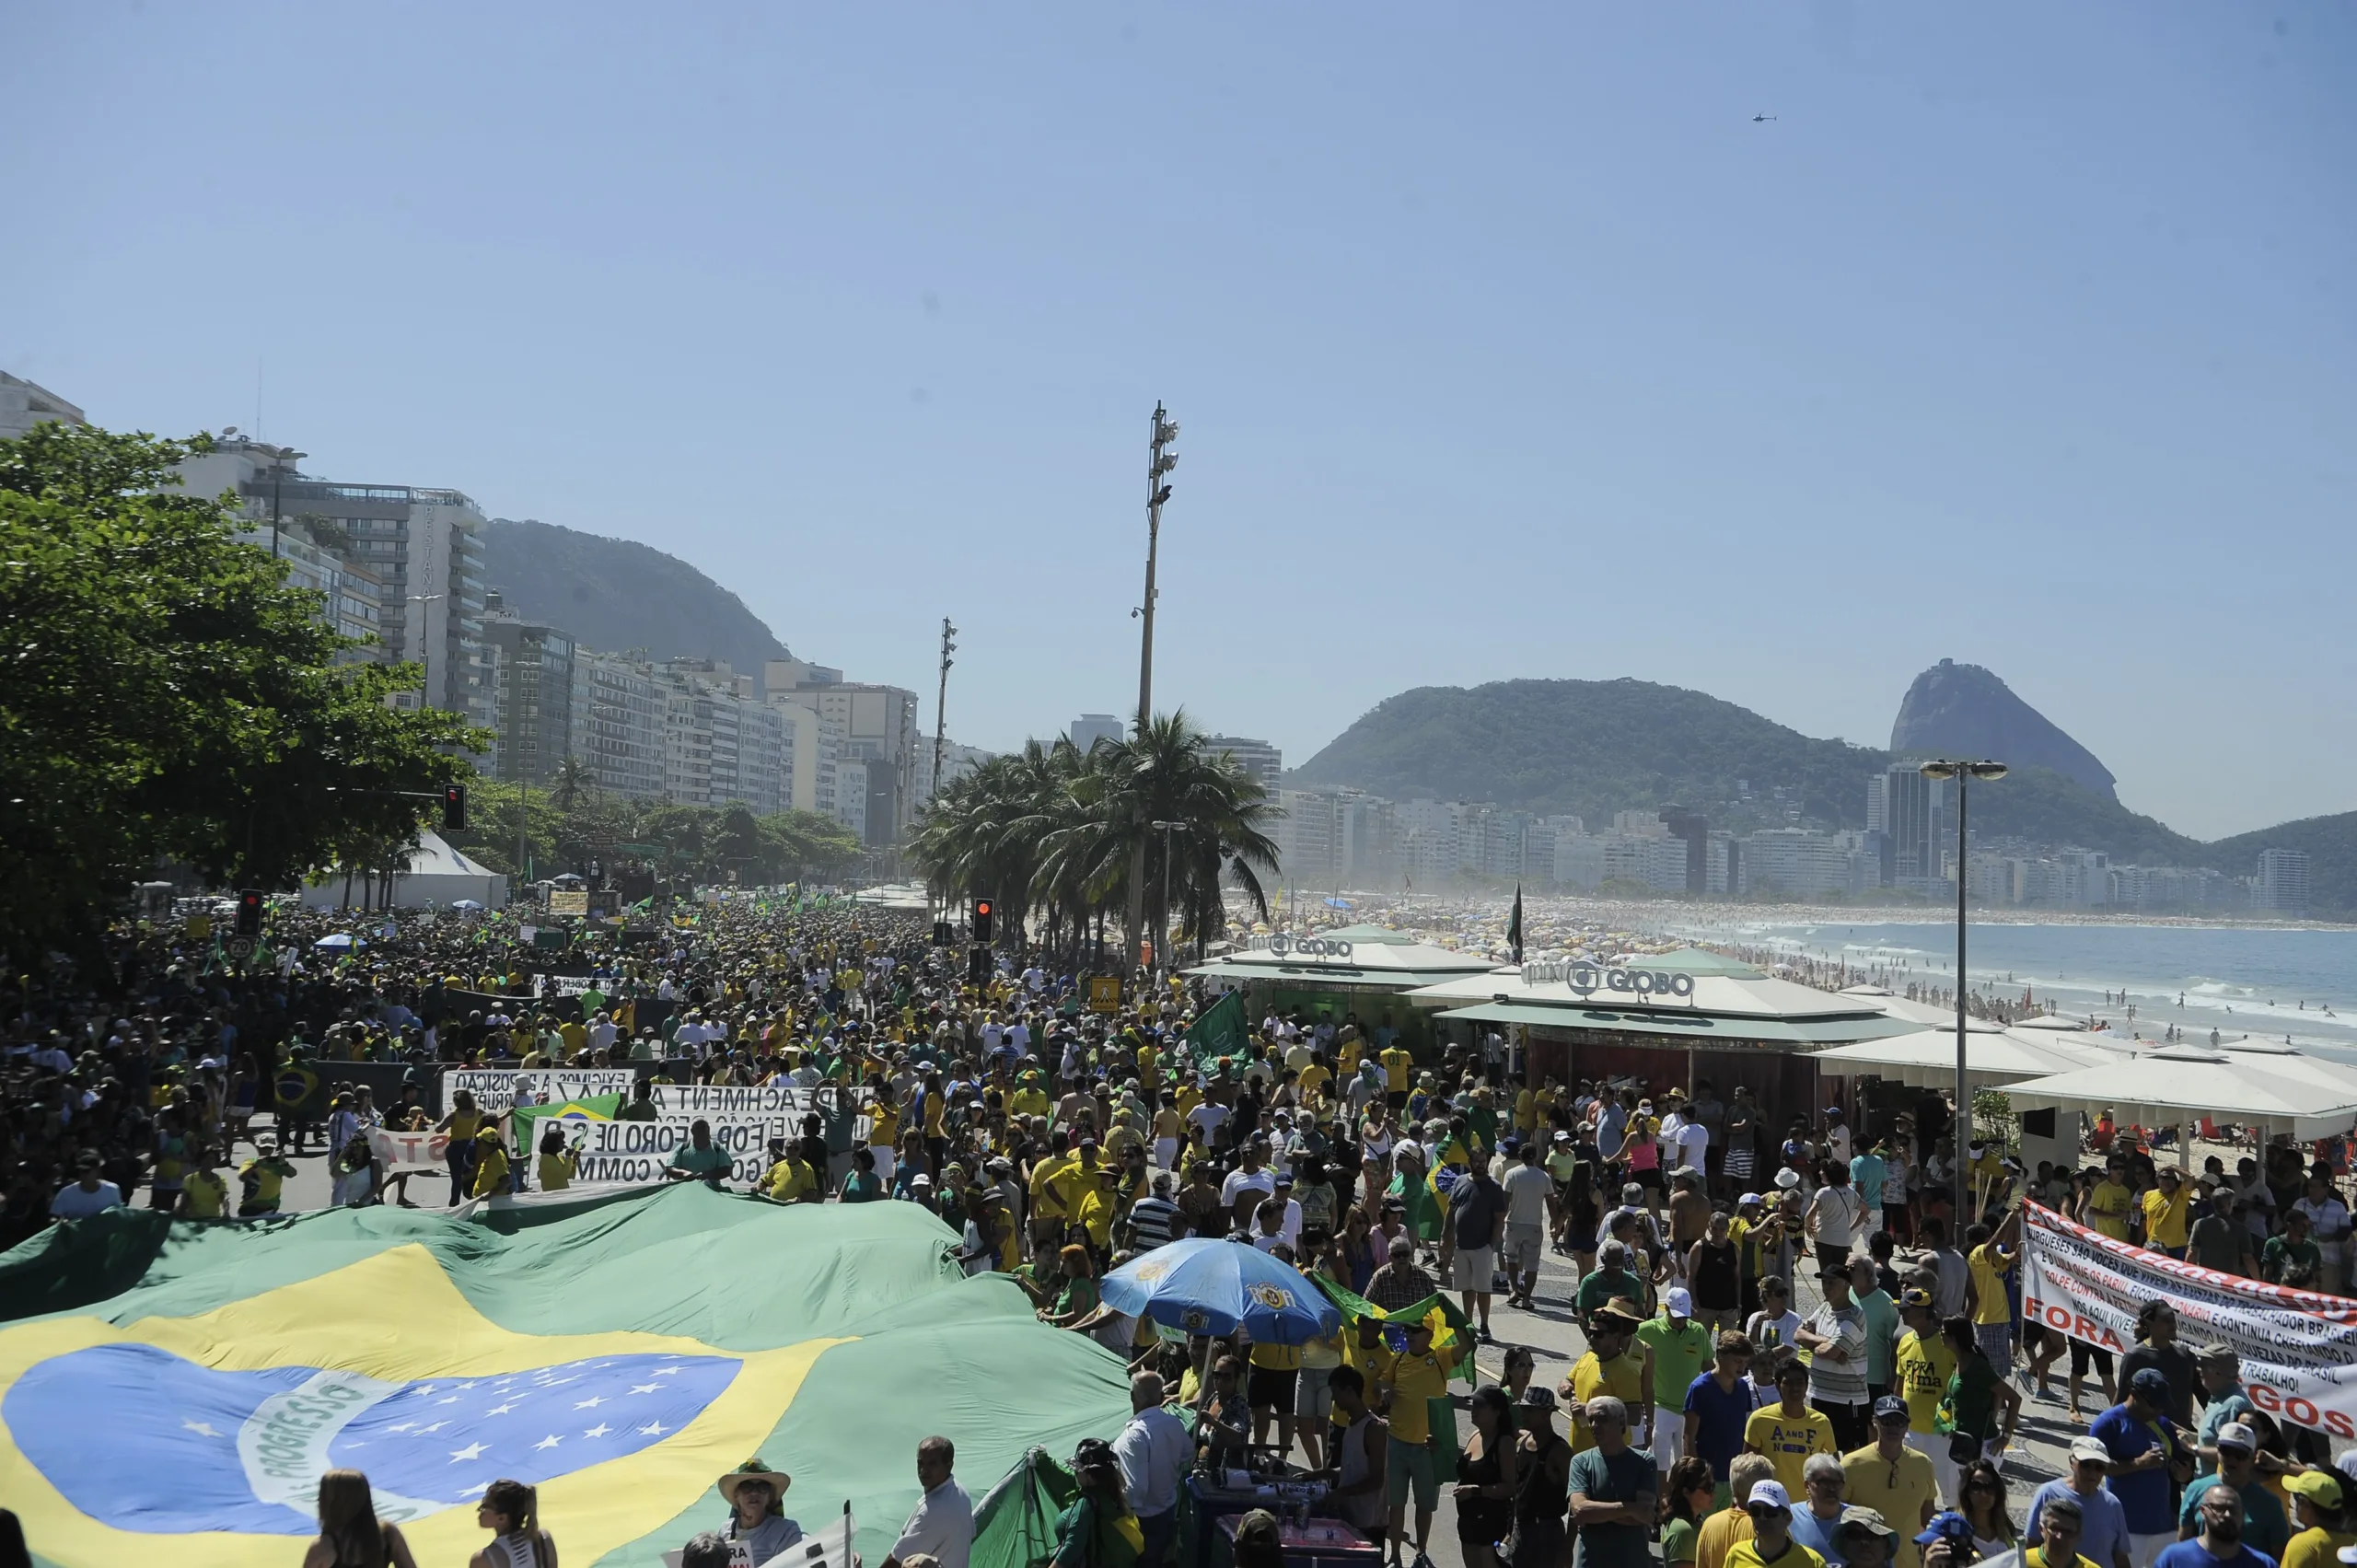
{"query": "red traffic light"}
(982, 908)
(454, 807)
(249, 913)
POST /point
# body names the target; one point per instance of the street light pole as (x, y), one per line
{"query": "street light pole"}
(1162, 928)
(1963, 773)
(1160, 460)
(424, 647)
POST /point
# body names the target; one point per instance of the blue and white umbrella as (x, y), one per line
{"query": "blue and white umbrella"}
(341, 939)
(1207, 1286)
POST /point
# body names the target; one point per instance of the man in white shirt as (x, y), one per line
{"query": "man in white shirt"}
(1249, 1177)
(80, 1199)
(943, 1525)
(1155, 1451)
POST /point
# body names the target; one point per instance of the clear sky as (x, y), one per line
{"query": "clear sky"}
(1504, 341)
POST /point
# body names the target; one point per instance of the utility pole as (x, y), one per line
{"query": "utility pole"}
(1160, 460)
(941, 703)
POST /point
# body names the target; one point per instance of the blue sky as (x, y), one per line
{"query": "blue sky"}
(1504, 341)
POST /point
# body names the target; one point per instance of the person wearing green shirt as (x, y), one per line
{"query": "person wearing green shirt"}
(2292, 1259)
(1676, 1350)
(1881, 1325)
(641, 1107)
(697, 1159)
(1611, 1278)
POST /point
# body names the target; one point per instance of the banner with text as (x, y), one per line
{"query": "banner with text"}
(2298, 1348)
(641, 1152)
(495, 1087)
(400, 1152)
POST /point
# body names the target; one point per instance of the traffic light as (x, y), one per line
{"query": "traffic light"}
(249, 913)
(982, 908)
(454, 808)
(979, 965)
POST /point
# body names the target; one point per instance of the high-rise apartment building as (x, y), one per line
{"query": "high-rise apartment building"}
(24, 405)
(1909, 810)
(2283, 883)
(423, 546)
(1261, 762)
(619, 730)
(879, 726)
(812, 753)
(1090, 728)
(533, 674)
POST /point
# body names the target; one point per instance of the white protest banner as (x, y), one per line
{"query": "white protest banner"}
(640, 1152)
(398, 1152)
(2298, 1348)
(495, 1087)
(731, 1100)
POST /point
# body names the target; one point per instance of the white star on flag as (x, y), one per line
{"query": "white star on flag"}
(436, 1427)
(499, 1410)
(451, 1400)
(479, 1486)
(592, 1402)
(648, 1389)
(662, 1370)
(551, 1441)
(472, 1451)
(598, 1430)
(200, 1428)
(654, 1429)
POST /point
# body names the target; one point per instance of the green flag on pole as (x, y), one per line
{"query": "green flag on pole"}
(1220, 1031)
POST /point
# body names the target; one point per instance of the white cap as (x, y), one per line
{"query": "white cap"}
(1770, 1492)
(1679, 1300)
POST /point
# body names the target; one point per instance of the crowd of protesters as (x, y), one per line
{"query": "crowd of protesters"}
(1797, 1351)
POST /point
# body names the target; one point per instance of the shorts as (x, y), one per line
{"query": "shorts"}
(2083, 1353)
(1524, 1245)
(1313, 1397)
(1406, 1463)
(1272, 1386)
(1996, 1341)
(1474, 1269)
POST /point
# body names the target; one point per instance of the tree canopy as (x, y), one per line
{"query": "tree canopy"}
(165, 697)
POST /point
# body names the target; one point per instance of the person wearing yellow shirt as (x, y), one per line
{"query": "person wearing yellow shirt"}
(1411, 1379)
(491, 1162)
(1029, 1100)
(1314, 1079)
(1989, 1260)
(1052, 1188)
(1894, 1479)
(1922, 1366)
(2166, 1209)
(2109, 1202)
(883, 1126)
(556, 1163)
(1525, 1111)
(204, 1193)
(1100, 1204)
(1771, 1544)
(1609, 1367)
(790, 1178)
(2319, 1499)
(1396, 1062)
(1788, 1432)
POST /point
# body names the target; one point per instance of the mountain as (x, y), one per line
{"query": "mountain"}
(1962, 710)
(1588, 747)
(616, 594)
(1592, 747)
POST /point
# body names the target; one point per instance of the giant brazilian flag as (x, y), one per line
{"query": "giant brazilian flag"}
(171, 1393)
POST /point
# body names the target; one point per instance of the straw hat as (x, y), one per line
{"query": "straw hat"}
(755, 1469)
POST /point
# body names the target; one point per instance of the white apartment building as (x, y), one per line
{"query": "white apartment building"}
(879, 725)
(812, 751)
(1261, 762)
(620, 730)
(23, 405)
(1794, 862)
(1090, 728)
(2283, 883)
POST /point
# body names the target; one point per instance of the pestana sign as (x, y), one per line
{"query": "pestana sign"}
(1588, 979)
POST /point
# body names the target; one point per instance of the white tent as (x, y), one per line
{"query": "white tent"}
(435, 878)
(1928, 1057)
(2178, 1084)
(2289, 1061)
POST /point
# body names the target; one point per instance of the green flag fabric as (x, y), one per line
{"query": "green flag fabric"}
(172, 1390)
(1451, 1328)
(592, 1108)
(1220, 1030)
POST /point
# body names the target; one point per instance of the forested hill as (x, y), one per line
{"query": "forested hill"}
(1592, 747)
(616, 594)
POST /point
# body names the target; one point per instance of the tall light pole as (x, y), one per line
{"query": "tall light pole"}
(941, 703)
(1162, 929)
(1160, 460)
(1963, 773)
(424, 645)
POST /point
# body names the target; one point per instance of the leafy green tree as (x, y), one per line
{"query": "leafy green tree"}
(165, 696)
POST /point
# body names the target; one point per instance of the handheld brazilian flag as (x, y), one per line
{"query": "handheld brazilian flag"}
(1451, 1336)
(1219, 1031)
(172, 1391)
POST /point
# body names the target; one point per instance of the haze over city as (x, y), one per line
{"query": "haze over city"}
(1509, 345)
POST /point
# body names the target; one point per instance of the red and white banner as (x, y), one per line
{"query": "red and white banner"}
(2298, 1347)
(398, 1152)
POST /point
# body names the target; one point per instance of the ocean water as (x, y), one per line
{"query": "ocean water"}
(2273, 981)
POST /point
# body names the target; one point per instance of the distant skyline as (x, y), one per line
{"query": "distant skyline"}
(1504, 343)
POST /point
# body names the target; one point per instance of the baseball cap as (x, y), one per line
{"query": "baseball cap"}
(1746, 1200)
(1948, 1524)
(1889, 1405)
(1914, 1295)
(2151, 1382)
(1679, 1300)
(1768, 1494)
(1538, 1397)
(2237, 1434)
(2090, 1449)
(1858, 1518)
(2321, 1487)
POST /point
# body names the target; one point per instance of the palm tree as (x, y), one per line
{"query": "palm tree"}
(1051, 830)
(572, 781)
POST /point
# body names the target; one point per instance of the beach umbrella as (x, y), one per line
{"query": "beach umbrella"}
(1209, 1286)
(339, 940)
(467, 904)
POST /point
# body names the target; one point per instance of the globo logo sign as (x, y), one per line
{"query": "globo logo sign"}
(1588, 979)
(1305, 947)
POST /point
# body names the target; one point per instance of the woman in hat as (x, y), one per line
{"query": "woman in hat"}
(1099, 1530)
(756, 1494)
(351, 1535)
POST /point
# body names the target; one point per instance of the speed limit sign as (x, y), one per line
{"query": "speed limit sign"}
(241, 948)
